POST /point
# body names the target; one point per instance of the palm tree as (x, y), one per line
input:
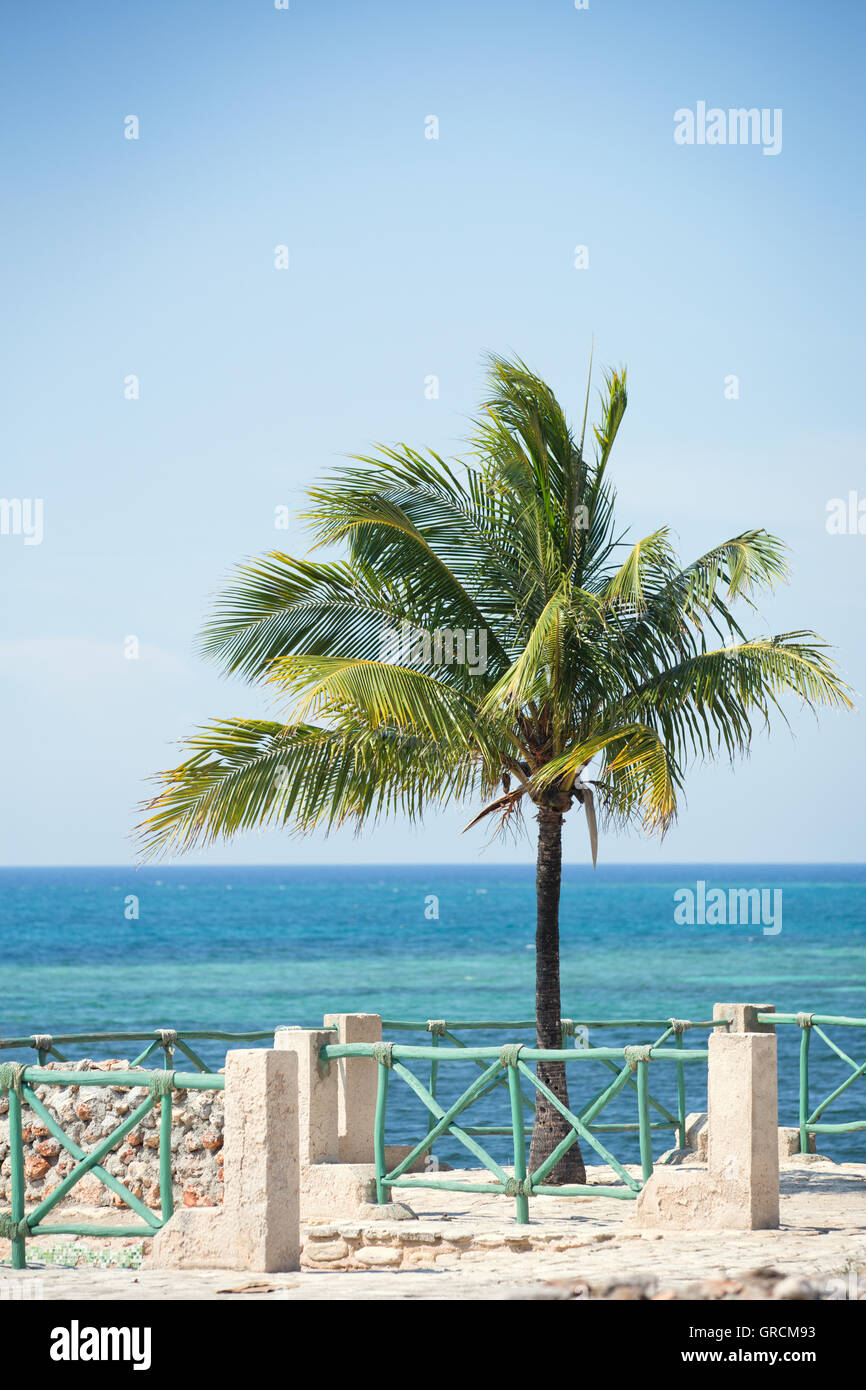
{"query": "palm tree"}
(578, 652)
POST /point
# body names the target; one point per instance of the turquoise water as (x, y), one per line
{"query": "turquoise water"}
(253, 947)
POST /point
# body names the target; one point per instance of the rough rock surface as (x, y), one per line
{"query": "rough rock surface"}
(88, 1114)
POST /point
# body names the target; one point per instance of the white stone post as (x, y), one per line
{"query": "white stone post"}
(740, 1187)
(258, 1226)
(317, 1094)
(330, 1185)
(356, 1086)
(262, 1179)
(743, 1110)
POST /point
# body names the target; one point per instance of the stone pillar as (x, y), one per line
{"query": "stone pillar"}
(317, 1094)
(262, 1179)
(742, 1102)
(356, 1086)
(258, 1226)
(740, 1187)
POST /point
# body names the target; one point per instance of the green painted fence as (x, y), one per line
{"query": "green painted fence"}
(508, 1067)
(17, 1081)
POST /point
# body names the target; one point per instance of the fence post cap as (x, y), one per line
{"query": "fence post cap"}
(743, 1017)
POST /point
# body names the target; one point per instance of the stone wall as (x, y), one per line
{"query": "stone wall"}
(87, 1114)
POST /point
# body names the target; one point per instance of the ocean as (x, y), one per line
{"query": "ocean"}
(243, 948)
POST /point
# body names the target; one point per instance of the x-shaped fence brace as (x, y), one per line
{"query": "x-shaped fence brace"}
(439, 1029)
(18, 1081)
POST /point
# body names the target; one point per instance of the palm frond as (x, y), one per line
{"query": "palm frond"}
(279, 604)
(708, 701)
(647, 565)
(636, 763)
(532, 676)
(245, 774)
(383, 694)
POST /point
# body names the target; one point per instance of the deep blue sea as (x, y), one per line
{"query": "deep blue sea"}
(254, 947)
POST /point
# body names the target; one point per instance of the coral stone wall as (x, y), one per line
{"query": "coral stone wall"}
(88, 1114)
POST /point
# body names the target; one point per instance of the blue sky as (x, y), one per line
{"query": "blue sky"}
(408, 257)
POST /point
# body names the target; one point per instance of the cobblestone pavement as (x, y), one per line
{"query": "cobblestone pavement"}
(469, 1247)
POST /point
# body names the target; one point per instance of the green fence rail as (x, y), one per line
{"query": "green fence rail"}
(17, 1081)
(578, 1029)
(810, 1120)
(630, 1064)
(165, 1039)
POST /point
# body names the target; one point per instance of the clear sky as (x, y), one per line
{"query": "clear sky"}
(408, 257)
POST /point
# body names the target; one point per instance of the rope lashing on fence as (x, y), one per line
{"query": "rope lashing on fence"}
(509, 1055)
(43, 1042)
(680, 1025)
(804, 1020)
(167, 1036)
(10, 1076)
(567, 1026)
(633, 1055)
(437, 1027)
(383, 1052)
(161, 1083)
(10, 1229)
(517, 1187)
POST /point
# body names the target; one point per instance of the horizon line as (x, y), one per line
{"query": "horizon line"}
(462, 864)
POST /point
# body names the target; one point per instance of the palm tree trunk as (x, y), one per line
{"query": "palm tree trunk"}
(550, 1127)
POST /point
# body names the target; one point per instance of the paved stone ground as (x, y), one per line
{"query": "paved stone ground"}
(467, 1246)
